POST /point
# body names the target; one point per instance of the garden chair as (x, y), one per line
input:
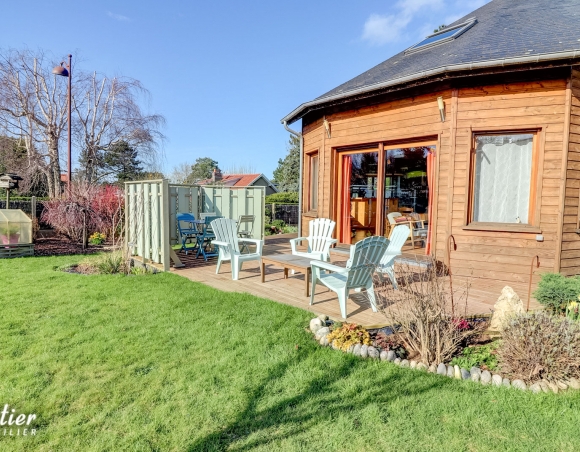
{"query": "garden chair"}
(319, 240)
(417, 229)
(398, 238)
(245, 229)
(227, 241)
(364, 258)
(187, 230)
(205, 237)
(204, 215)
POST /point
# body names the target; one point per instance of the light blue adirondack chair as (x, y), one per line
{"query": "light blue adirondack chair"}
(399, 236)
(228, 242)
(364, 258)
(319, 240)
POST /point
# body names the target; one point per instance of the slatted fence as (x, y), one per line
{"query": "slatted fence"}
(152, 208)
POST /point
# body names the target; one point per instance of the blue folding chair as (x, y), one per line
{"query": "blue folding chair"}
(204, 239)
(187, 231)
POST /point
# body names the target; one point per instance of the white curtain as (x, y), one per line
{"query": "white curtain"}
(503, 169)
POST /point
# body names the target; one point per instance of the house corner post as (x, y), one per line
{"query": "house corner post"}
(164, 223)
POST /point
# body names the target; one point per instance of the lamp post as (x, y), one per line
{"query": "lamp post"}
(62, 71)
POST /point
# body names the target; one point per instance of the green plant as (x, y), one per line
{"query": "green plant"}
(10, 229)
(573, 310)
(555, 291)
(540, 346)
(139, 270)
(276, 227)
(389, 342)
(282, 198)
(111, 263)
(97, 238)
(478, 356)
(349, 334)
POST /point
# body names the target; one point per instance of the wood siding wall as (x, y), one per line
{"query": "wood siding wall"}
(501, 257)
(570, 251)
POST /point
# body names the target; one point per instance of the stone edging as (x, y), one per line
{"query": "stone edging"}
(475, 374)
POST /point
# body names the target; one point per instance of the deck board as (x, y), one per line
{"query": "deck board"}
(291, 291)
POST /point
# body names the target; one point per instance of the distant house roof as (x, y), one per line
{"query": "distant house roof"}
(505, 32)
(239, 180)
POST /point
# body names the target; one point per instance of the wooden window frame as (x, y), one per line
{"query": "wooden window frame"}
(308, 163)
(533, 225)
(380, 147)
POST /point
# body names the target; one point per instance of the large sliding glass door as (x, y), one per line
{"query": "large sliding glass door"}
(408, 193)
(358, 204)
(384, 186)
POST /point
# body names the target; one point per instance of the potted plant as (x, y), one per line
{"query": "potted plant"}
(9, 234)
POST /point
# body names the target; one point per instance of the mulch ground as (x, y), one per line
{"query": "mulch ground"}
(60, 246)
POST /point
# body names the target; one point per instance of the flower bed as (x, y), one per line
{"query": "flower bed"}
(354, 339)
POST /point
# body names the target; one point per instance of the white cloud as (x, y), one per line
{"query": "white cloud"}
(382, 29)
(118, 17)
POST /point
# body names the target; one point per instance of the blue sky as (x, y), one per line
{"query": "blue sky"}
(224, 73)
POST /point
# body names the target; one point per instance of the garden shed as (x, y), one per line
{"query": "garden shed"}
(472, 135)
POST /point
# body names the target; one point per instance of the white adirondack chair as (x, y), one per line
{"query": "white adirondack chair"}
(319, 240)
(227, 241)
(399, 236)
(364, 258)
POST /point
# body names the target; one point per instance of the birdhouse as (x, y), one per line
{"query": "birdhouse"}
(9, 181)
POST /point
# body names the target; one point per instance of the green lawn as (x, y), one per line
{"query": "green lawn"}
(156, 362)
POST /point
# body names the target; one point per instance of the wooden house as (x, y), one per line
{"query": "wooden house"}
(241, 181)
(475, 131)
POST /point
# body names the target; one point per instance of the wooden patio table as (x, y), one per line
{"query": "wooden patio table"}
(289, 262)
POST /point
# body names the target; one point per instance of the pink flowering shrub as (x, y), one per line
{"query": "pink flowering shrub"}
(98, 208)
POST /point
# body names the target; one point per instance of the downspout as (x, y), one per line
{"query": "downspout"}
(299, 135)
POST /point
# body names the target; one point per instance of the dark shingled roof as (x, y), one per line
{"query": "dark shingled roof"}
(505, 30)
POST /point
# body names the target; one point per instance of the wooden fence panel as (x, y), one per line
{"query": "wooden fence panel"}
(232, 202)
(152, 208)
(144, 221)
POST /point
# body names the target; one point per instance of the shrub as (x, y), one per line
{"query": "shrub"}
(540, 346)
(349, 334)
(389, 342)
(480, 356)
(555, 291)
(276, 227)
(425, 312)
(282, 198)
(90, 207)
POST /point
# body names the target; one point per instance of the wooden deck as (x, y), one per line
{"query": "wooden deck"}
(291, 291)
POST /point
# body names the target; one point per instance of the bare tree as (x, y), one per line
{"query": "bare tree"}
(180, 173)
(108, 113)
(245, 168)
(33, 108)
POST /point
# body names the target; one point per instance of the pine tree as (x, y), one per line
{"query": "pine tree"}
(202, 169)
(287, 174)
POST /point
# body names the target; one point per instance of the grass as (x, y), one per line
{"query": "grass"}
(156, 362)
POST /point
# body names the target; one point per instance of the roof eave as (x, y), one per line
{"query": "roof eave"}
(299, 112)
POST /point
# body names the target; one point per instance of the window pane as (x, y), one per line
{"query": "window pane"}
(314, 182)
(503, 166)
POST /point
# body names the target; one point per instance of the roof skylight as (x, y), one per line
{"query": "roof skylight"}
(442, 36)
